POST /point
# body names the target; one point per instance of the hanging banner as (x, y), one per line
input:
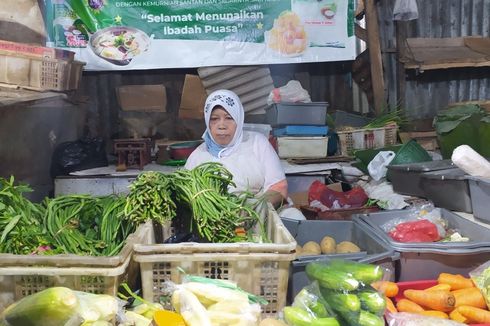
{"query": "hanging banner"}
(152, 34)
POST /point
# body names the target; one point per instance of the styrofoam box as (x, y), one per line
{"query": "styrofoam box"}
(299, 147)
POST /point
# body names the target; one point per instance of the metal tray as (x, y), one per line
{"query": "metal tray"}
(448, 189)
(479, 236)
(406, 177)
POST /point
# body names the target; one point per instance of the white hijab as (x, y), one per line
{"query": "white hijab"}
(232, 104)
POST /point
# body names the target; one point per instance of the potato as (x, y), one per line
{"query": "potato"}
(347, 247)
(312, 246)
(328, 245)
(271, 322)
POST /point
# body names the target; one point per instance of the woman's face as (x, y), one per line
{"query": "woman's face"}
(222, 126)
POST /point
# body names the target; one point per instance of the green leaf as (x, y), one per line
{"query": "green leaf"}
(13, 222)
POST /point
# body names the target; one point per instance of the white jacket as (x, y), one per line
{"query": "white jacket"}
(254, 164)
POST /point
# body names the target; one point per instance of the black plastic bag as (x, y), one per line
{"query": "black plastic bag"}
(78, 155)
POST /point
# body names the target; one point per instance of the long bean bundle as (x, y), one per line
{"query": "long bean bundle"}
(20, 220)
(86, 225)
(215, 213)
(150, 199)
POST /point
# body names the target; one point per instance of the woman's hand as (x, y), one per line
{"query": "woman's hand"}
(275, 198)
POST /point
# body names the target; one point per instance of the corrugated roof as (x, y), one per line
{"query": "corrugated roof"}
(251, 83)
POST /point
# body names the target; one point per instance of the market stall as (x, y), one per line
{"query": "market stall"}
(243, 163)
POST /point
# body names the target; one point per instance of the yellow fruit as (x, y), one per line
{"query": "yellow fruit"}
(328, 245)
(313, 247)
(347, 247)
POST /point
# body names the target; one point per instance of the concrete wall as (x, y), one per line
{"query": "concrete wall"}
(29, 132)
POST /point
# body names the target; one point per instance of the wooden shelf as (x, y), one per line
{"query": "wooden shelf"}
(443, 53)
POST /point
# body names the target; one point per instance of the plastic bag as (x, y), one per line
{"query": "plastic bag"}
(309, 308)
(424, 223)
(62, 306)
(378, 166)
(468, 160)
(354, 198)
(422, 211)
(202, 301)
(481, 277)
(78, 155)
(408, 319)
(405, 10)
(291, 92)
(346, 288)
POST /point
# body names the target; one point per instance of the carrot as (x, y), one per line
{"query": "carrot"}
(405, 305)
(469, 297)
(390, 289)
(389, 305)
(443, 287)
(475, 315)
(434, 313)
(455, 281)
(457, 316)
(435, 300)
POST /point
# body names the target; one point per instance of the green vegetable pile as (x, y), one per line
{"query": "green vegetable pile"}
(20, 220)
(339, 295)
(388, 117)
(99, 226)
(86, 225)
(149, 199)
(215, 213)
(72, 224)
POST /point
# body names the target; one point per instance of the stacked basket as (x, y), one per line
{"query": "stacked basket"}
(22, 275)
(259, 268)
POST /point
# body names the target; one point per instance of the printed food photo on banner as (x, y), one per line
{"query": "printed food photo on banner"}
(288, 35)
(119, 45)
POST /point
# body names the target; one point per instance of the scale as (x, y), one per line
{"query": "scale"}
(132, 153)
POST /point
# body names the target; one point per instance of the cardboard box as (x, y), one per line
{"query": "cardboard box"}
(34, 51)
(193, 98)
(151, 98)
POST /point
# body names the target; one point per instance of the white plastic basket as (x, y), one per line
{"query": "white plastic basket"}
(23, 275)
(260, 268)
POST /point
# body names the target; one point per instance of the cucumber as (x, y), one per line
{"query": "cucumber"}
(312, 302)
(330, 278)
(372, 301)
(342, 302)
(368, 319)
(364, 273)
(329, 321)
(296, 316)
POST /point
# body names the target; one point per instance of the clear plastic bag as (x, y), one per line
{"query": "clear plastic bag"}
(405, 10)
(291, 92)
(202, 301)
(309, 308)
(408, 319)
(481, 277)
(378, 166)
(345, 286)
(399, 228)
